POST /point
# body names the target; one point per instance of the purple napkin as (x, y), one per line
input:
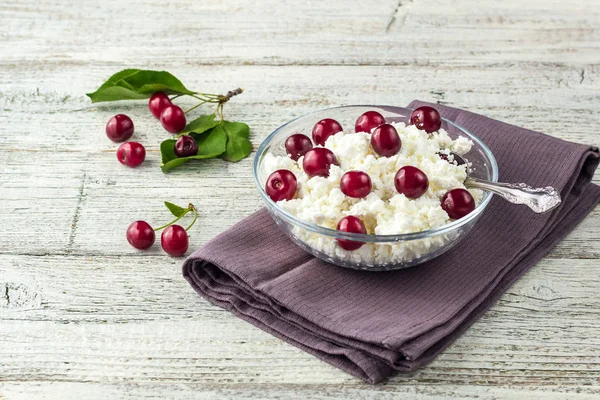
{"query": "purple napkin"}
(372, 324)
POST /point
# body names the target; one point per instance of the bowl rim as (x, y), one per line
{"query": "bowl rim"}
(373, 237)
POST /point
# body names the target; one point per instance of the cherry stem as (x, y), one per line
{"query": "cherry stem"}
(196, 106)
(191, 206)
(172, 222)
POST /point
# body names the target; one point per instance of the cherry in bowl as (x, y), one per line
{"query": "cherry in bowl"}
(385, 140)
(325, 128)
(281, 185)
(368, 121)
(426, 118)
(355, 184)
(317, 161)
(351, 224)
(297, 145)
(411, 182)
(457, 203)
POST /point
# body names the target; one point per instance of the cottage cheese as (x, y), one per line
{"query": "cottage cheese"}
(384, 211)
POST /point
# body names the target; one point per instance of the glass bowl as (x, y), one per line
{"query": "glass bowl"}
(380, 252)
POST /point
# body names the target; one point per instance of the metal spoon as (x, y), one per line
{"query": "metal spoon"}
(540, 200)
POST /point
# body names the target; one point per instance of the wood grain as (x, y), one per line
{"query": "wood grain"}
(82, 315)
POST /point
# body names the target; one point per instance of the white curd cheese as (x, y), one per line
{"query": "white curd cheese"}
(384, 211)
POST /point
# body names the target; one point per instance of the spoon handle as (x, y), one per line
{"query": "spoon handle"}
(539, 200)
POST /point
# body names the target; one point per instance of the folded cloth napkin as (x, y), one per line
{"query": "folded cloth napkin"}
(372, 324)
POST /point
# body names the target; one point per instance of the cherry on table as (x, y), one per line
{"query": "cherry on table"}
(458, 203)
(158, 102)
(131, 154)
(385, 140)
(411, 182)
(174, 240)
(186, 146)
(426, 118)
(297, 145)
(325, 128)
(172, 118)
(355, 184)
(368, 121)
(354, 225)
(281, 185)
(140, 235)
(317, 161)
(119, 128)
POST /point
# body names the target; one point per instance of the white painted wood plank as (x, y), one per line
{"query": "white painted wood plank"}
(291, 32)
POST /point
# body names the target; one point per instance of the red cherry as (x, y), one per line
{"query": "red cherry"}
(356, 184)
(119, 128)
(140, 235)
(186, 146)
(297, 145)
(458, 203)
(353, 225)
(174, 240)
(385, 140)
(131, 154)
(325, 128)
(317, 161)
(158, 102)
(426, 118)
(281, 185)
(172, 119)
(411, 181)
(368, 121)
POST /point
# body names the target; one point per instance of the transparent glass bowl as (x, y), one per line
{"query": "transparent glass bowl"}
(380, 252)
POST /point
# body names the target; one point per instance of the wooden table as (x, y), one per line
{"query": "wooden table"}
(83, 315)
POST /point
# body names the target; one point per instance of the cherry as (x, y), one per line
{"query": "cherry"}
(281, 185)
(186, 146)
(119, 128)
(325, 128)
(172, 118)
(426, 118)
(354, 225)
(458, 203)
(317, 161)
(356, 184)
(158, 102)
(140, 235)
(385, 140)
(368, 121)
(131, 154)
(411, 181)
(174, 240)
(297, 145)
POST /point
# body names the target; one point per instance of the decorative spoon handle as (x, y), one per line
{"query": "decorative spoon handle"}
(539, 200)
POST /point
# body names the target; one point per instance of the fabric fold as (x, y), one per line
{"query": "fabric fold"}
(372, 324)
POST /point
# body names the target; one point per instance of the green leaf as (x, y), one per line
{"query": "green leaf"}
(137, 84)
(210, 145)
(238, 144)
(175, 209)
(200, 124)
